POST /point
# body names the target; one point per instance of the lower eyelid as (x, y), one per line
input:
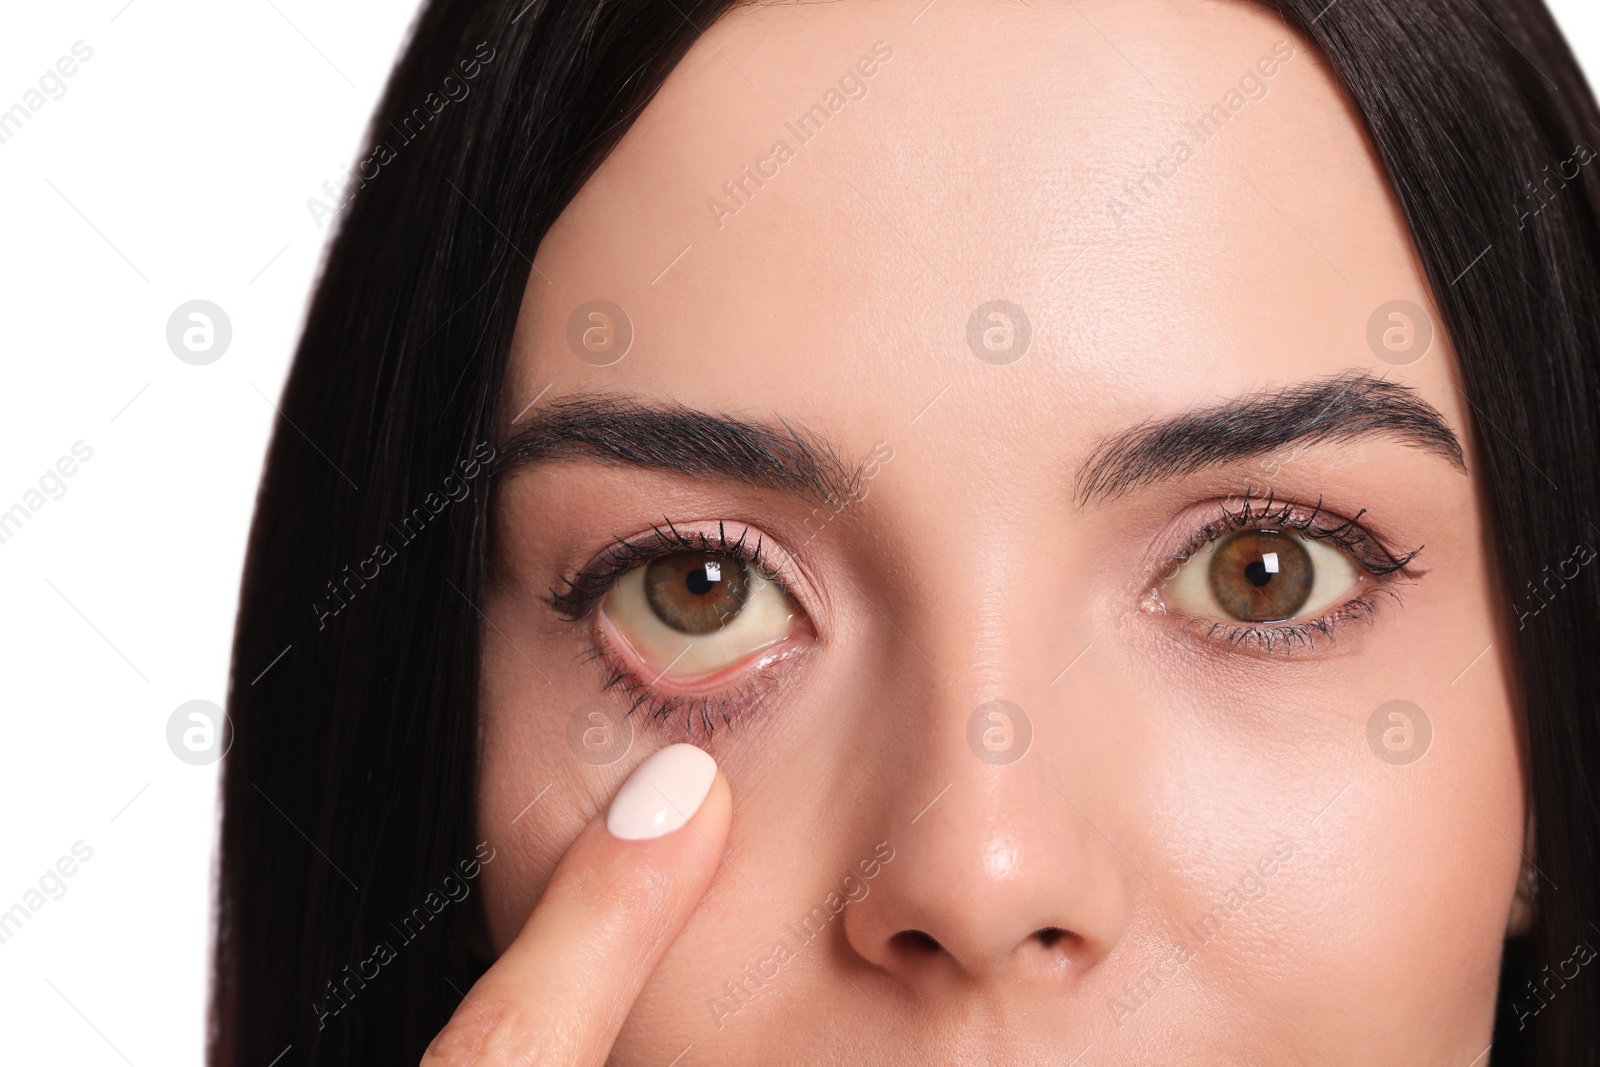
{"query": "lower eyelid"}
(709, 682)
(721, 684)
(701, 711)
(1282, 638)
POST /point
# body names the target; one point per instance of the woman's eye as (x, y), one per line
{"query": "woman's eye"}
(1261, 576)
(688, 614)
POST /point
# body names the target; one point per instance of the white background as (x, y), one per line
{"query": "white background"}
(176, 166)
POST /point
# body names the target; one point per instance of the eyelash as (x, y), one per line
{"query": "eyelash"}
(1348, 534)
(585, 588)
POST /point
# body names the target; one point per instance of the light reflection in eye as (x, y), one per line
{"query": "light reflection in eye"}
(1261, 576)
(693, 613)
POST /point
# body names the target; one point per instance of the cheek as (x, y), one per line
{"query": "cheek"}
(530, 826)
(1384, 930)
(535, 793)
(1432, 854)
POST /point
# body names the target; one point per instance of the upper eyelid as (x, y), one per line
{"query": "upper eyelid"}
(623, 554)
(1380, 561)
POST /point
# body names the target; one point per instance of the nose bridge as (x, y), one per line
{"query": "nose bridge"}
(994, 618)
(1000, 627)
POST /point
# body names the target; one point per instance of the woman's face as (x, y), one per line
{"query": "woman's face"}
(1060, 707)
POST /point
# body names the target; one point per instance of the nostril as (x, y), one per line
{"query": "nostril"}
(914, 941)
(1050, 936)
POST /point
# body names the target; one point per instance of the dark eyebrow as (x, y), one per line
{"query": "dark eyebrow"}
(624, 431)
(1339, 408)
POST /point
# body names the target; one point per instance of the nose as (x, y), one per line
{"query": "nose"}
(997, 877)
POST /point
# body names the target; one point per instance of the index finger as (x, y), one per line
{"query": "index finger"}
(618, 899)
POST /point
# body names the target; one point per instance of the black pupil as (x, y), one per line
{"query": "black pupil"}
(699, 584)
(1256, 574)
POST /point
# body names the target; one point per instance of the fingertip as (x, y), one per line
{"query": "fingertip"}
(663, 793)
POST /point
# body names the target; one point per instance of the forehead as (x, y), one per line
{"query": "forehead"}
(1027, 216)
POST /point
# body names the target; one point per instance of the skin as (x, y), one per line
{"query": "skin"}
(1165, 769)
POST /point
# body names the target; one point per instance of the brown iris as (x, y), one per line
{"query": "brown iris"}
(695, 592)
(1261, 575)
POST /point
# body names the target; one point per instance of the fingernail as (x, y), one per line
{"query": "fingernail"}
(662, 794)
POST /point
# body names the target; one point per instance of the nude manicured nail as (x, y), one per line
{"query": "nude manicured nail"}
(662, 794)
